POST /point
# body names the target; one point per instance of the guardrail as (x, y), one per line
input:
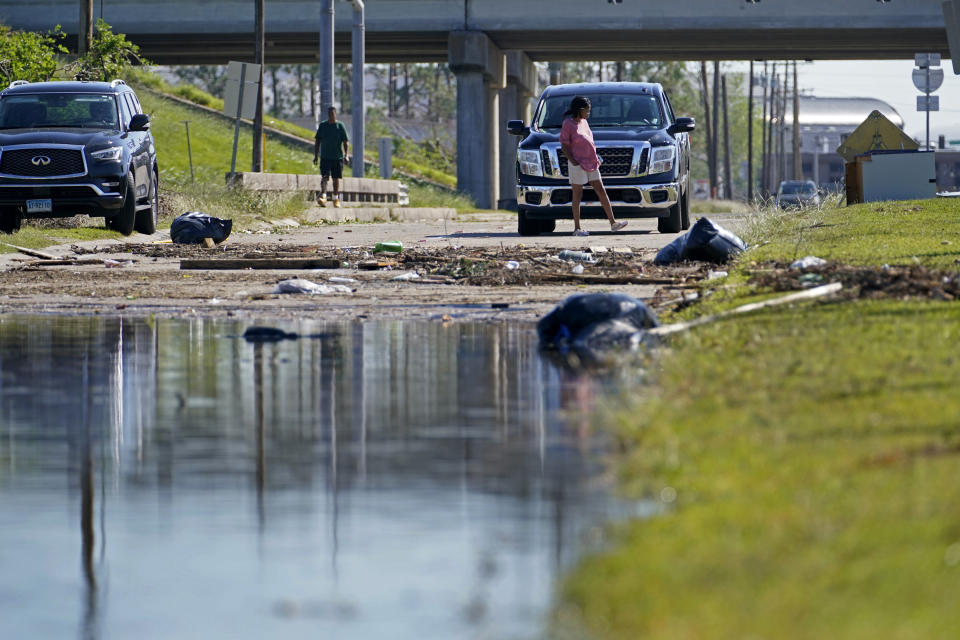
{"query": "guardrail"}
(361, 191)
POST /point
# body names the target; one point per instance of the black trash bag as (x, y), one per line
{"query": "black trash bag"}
(706, 241)
(595, 320)
(193, 226)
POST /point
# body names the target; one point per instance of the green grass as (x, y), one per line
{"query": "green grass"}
(873, 233)
(804, 459)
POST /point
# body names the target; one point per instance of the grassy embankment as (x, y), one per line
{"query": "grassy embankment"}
(805, 458)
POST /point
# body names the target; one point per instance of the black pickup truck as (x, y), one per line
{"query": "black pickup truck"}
(643, 146)
(70, 148)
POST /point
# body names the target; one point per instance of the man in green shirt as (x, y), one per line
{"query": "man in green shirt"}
(330, 145)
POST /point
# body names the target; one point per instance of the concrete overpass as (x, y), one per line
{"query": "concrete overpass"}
(491, 44)
(214, 31)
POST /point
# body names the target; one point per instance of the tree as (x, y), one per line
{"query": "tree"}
(110, 55)
(30, 56)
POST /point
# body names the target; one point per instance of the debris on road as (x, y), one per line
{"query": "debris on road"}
(299, 285)
(807, 262)
(706, 241)
(194, 226)
(591, 321)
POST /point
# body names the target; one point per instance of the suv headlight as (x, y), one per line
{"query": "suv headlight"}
(112, 154)
(530, 163)
(661, 160)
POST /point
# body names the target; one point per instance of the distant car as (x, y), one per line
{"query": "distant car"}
(798, 193)
(70, 148)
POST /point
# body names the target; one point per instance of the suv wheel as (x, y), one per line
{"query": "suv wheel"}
(147, 219)
(548, 226)
(526, 226)
(673, 223)
(9, 220)
(127, 218)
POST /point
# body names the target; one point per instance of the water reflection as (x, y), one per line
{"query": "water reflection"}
(380, 480)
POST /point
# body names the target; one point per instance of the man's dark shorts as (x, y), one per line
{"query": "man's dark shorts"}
(331, 168)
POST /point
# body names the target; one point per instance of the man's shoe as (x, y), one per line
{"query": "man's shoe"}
(336, 202)
(322, 200)
(581, 232)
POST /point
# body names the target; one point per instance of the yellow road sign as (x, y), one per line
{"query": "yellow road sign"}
(876, 132)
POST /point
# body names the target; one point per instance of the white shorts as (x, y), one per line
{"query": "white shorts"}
(579, 176)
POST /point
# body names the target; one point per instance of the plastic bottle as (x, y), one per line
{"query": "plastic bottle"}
(575, 256)
(392, 246)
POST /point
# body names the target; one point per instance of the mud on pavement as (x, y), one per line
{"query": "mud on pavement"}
(519, 283)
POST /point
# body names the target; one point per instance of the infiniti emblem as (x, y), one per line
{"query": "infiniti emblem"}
(40, 161)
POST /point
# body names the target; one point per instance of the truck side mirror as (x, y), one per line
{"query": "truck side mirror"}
(516, 128)
(139, 122)
(682, 125)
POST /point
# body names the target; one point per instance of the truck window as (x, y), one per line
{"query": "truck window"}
(607, 110)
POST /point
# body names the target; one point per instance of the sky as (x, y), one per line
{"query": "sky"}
(890, 81)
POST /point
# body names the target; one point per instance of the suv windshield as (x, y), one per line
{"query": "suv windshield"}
(606, 110)
(80, 110)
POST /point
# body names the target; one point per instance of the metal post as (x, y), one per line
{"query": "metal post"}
(257, 161)
(236, 123)
(927, 86)
(186, 123)
(750, 138)
(385, 147)
(727, 160)
(326, 58)
(797, 158)
(358, 94)
(715, 146)
(763, 135)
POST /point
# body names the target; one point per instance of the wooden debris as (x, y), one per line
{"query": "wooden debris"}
(32, 252)
(260, 263)
(808, 294)
(209, 243)
(373, 265)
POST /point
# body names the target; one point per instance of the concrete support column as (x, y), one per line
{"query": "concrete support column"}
(481, 72)
(514, 105)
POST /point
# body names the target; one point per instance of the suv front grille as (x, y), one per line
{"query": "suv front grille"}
(616, 161)
(29, 163)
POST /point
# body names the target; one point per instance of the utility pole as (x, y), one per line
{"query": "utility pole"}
(750, 138)
(763, 134)
(715, 181)
(85, 33)
(326, 58)
(782, 134)
(257, 164)
(727, 156)
(705, 92)
(797, 158)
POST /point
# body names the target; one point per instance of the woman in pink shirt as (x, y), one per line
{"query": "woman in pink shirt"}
(583, 165)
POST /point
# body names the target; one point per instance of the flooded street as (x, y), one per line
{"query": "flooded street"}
(167, 479)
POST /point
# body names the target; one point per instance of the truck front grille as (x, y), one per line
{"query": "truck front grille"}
(616, 161)
(42, 163)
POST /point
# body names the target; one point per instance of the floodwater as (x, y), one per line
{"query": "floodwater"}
(396, 480)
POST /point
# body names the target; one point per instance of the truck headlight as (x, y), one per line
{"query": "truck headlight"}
(530, 163)
(661, 161)
(107, 155)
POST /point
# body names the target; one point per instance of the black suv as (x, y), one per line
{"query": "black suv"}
(644, 148)
(70, 148)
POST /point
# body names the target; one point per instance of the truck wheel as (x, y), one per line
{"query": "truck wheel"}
(147, 220)
(548, 226)
(673, 222)
(125, 220)
(526, 226)
(685, 211)
(9, 220)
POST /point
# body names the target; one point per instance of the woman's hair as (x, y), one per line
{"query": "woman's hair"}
(578, 103)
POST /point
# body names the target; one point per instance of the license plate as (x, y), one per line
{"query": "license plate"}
(40, 206)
